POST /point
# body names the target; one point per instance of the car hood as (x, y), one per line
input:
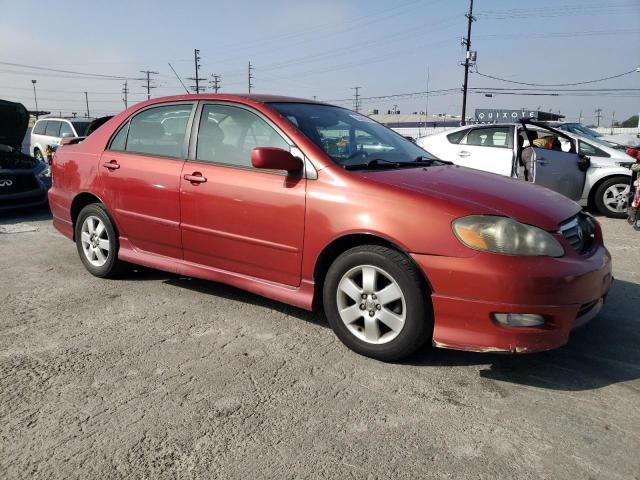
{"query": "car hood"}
(483, 193)
(14, 120)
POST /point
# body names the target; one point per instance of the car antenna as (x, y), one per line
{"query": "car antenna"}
(179, 79)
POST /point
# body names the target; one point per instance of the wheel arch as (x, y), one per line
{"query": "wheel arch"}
(345, 242)
(80, 201)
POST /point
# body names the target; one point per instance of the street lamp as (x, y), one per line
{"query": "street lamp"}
(35, 96)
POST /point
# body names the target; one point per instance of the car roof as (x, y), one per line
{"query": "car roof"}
(70, 119)
(261, 98)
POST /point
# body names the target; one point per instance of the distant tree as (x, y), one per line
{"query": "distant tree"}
(630, 122)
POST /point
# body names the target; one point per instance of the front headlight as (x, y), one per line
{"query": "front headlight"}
(505, 236)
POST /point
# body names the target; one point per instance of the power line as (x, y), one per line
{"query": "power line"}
(35, 67)
(556, 84)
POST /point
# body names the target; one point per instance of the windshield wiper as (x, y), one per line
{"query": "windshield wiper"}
(374, 163)
(422, 160)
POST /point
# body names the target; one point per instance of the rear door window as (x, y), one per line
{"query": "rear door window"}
(52, 129)
(490, 137)
(156, 131)
(40, 127)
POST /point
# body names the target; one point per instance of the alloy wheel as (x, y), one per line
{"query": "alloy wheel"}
(95, 241)
(371, 304)
(615, 197)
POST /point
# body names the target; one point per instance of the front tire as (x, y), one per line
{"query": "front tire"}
(374, 303)
(97, 241)
(611, 197)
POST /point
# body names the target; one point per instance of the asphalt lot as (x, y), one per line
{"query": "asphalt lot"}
(158, 376)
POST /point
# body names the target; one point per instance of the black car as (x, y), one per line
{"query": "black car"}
(24, 181)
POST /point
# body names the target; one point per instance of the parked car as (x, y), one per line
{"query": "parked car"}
(583, 131)
(24, 181)
(398, 247)
(49, 131)
(498, 148)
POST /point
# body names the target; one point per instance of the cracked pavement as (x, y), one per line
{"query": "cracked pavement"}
(158, 376)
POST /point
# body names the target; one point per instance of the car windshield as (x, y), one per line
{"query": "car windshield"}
(350, 139)
(585, 131)
(81, 128)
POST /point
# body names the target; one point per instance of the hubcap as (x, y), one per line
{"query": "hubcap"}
(615, 197)
(371, 304)
(95, 241)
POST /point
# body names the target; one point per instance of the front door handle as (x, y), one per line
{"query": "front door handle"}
(463, 153)
(111, 165)
(195, 178)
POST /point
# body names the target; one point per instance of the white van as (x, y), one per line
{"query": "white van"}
(49, 131)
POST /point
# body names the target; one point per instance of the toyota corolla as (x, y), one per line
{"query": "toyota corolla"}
(286, 198)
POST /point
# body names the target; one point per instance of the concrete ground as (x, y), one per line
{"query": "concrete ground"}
(157, 376)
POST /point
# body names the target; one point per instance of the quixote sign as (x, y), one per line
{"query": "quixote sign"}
(493, 115)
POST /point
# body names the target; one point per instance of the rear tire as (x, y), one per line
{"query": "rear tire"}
(611, 197)
(374, 303)
(97, 241)
(38, 154)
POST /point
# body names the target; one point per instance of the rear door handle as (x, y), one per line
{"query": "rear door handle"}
(112, 165)
(195, 177)
(463, 153)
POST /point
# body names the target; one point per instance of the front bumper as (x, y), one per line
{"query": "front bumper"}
(567, 291)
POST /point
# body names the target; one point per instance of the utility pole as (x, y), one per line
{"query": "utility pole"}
(35, 97)
(215, 82)
(426, 103)
(598, 112)
(125, 92)
(148, 86)
(196, 59)
(250, 77)
(467, 62)
(356, 98)
(613, 121)
(86, 99)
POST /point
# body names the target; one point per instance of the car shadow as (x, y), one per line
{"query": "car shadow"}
(207, 287)
(599, 354)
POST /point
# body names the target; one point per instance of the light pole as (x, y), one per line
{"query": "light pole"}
(35, 96)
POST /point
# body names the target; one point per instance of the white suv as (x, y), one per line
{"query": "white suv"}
(602, 181)
(49, 131)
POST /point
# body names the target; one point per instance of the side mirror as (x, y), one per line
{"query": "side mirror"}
(275, 159)
(67, 135)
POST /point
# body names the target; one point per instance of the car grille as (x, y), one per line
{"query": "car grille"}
(17, 183)
(580, 232)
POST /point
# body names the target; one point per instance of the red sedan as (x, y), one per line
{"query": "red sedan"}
(320, 207)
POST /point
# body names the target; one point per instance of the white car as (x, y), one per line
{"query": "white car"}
(498, 148)
(49, 131)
